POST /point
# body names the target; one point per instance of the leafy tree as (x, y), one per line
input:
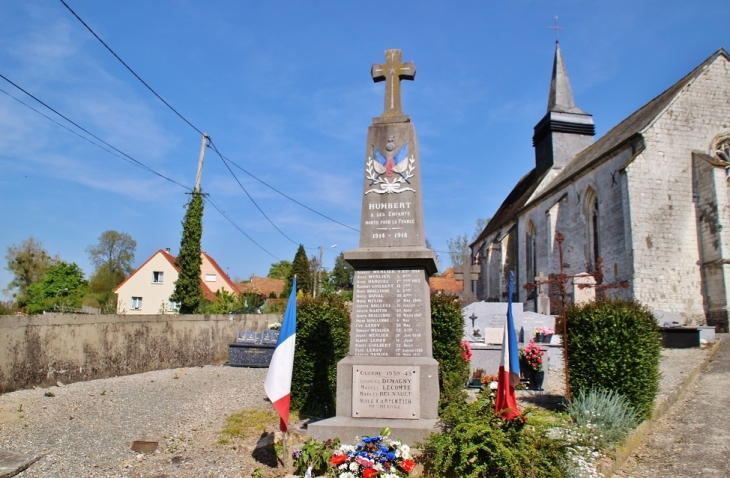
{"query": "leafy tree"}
(188, 291)
(342, 275)
(279, 270)
(459, 246)
(300, 268)
(113, 255)
(63, 286)
(28, 262)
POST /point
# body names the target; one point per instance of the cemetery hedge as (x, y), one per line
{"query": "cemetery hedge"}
(323, 339)
(447, 328)
(614, 345)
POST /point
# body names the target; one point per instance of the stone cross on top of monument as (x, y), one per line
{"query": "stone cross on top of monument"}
(392, 72)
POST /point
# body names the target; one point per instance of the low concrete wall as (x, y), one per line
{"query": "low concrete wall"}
(43, 349)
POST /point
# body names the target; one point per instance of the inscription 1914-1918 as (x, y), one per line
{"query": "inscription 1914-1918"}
(388, 313)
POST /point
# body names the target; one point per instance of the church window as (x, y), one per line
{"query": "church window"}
(722, 149)
(593, 244)
(530, 252)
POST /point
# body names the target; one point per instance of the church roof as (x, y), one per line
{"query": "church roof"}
(561, 98)
(634, 124)
(513, 203)
(617, 136)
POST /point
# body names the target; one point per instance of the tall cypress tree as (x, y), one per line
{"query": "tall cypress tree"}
(188, 291)
(300, 268)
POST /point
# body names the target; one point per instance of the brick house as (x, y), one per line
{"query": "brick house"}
(147, 290)
(650, 198)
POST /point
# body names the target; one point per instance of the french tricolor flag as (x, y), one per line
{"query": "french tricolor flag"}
(509, 365)
(278, 379)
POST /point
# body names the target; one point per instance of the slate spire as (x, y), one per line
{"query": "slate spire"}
(561, 94)
(565, 130)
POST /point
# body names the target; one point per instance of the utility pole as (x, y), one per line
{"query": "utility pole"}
(200, 162)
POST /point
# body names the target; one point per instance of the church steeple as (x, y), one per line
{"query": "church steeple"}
(566, 129)
(561, 94)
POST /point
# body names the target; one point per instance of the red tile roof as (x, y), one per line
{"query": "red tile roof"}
(446, 283)
(262, 285)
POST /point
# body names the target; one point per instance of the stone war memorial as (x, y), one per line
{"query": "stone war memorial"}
(389, 377)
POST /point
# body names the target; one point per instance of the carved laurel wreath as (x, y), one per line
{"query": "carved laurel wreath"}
(386, 186)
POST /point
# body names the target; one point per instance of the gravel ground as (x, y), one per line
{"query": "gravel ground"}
(86, 429)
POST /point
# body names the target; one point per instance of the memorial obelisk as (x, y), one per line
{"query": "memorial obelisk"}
(389, 377)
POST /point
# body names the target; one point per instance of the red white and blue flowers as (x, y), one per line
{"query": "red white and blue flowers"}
(376, 456)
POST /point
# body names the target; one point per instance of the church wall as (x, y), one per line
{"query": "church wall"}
(564, 212)
(711, 196)
(663, 215)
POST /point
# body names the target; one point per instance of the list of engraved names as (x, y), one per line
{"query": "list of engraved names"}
(388, 313)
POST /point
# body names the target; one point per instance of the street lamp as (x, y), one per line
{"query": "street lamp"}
(59, 290)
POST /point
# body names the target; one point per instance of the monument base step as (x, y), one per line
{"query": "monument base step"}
(350, 430)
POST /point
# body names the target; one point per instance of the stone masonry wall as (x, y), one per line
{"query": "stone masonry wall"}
(663, 214)
(43, 349)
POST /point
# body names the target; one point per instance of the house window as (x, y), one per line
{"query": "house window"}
(136, 303)
(209, 277)
(173, 306)
(157, 277)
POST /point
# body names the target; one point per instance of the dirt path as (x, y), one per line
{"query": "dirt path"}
(693, 439)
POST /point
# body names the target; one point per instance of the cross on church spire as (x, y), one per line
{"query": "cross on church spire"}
(556, 28)
(392, 72)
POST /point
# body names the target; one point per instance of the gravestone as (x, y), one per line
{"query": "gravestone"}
(584, 288)
(252, 349)
(389, 377)
(492, 315)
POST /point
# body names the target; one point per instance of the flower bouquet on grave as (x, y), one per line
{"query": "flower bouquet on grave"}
(373, 457)
(491, 382)
(531, 358)
(543, 334)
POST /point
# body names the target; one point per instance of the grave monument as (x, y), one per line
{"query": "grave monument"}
(389, 377)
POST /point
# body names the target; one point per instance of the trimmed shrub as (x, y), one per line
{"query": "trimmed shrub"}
(614, 345)
(447, 328)
(323, 339)
(478, 443)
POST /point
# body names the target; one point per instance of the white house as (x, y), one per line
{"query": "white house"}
(147, 290)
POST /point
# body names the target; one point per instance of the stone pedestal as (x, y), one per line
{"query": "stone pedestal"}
(389, 377)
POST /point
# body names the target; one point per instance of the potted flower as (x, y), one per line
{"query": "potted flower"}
(377, 456)
(476, 378)
(543, 335)
(491, 382)
(531, 358)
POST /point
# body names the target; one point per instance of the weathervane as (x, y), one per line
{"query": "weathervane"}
(556, 28)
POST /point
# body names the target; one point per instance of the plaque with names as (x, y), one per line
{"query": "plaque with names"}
(388, 313)
(386, 391)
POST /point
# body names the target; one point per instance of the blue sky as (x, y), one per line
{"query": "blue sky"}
(284, 90)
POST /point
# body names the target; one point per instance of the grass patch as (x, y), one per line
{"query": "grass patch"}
(248, 422)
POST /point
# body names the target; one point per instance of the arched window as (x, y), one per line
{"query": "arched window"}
(530, 252)
(592, 221)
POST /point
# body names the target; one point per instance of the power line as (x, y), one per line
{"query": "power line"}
(220, 210)
(130, 69)
(247, 194)
(123, 156)
(279, 192)
(201, 132)
(129, 158)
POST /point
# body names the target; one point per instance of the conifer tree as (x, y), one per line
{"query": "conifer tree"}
(188, 291)
(300, 268)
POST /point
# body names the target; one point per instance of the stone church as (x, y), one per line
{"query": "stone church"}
(650, 198)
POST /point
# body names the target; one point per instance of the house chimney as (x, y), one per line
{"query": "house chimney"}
(167, 249)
